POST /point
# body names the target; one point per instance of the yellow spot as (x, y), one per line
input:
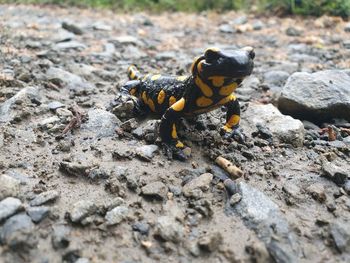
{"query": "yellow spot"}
(234, 120)
(214, 49)
(203, 102)
(132, 74)
(181, 78)
(227, 129)
(206, 90)
(148, 101)
(199, 66)
(132, 91)
(173, 132)
(155, 77)
(146, 76)
(194, 63)
(144, 97)
(179, 106)
(172, 100)
(151, 105)
(179, 145)
(217, 81)
(161, 97)
(227, 99)
(228, 89)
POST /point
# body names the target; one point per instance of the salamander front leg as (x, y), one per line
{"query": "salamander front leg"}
(173, 147)
(231, 128)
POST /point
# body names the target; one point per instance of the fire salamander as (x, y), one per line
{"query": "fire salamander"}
(214, 77)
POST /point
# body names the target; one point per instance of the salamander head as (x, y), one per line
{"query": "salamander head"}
(235, 64)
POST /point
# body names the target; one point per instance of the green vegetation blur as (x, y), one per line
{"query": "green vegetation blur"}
(302, 7)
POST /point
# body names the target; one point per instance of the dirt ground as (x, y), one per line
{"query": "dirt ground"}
(105, 192)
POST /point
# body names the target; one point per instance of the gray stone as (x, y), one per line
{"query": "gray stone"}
(99, 25)
(347, 27)
(82, 260)
(198, 183)
(335, 171)
(49, 123)
(318, 96)
(166, 55)
(169, 229)
(241, 20)
(25, 95)
(264, 217)
(62, 36)
(284, 128)
(116, 215)
(60, 237)
(317, 192)
(155, 190)
(126, 40)
(80, 69)
(294, 32)
(210, 242)
(17, 232)
(76, 168)
(38, 213)
(9, 186)
(101, 122)
(72, 28)
(69, 45)
(45, 197)
(9, 206)
(340, 231)
(129, 125)
(275, 78)
(141, 227)
(251, 82)
(68, 80)
(286, 66)
(146, 152)
(292, 192)
(235, 198)
(132, 180)
(346, 44)
(226, 28)
(81, 210)
(146, 128)
(346, 187)
(112, 203)
(304, 58)
(299, 48)
(258, 25)
(54, 105)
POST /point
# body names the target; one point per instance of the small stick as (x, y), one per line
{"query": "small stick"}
(76, 121)
(229, 167)
(346, 130)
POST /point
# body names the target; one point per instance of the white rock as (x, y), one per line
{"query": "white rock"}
(9, 186)
(284, 128)
(116, 215)
(9, 206)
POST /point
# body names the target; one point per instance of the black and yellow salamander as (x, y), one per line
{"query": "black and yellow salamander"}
(214, 77)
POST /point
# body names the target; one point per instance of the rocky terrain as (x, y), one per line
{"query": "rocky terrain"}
(81, 182)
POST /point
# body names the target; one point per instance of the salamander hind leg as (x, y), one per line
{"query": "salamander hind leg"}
(127, 104)
(168, 133)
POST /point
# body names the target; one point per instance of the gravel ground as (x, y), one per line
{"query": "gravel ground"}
(104, 191)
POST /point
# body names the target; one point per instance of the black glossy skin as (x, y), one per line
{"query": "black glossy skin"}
(215, 75)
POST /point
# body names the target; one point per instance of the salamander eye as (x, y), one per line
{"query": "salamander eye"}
(211, 55)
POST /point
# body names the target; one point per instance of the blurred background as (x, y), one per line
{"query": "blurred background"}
(280, 7)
